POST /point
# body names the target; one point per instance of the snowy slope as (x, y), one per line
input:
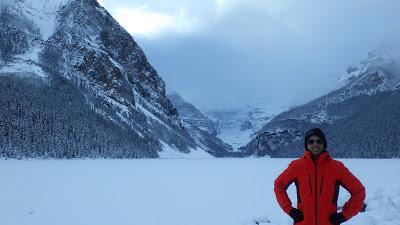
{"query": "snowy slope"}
(170, 152)
(38, 19)
(238, 126)
(201, 127)
(43, 13)
(190, 114)
(76, 45)
(363, 107)
(384, 59)
(172, 192)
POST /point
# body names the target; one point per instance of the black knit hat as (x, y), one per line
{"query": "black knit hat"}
(317, 132)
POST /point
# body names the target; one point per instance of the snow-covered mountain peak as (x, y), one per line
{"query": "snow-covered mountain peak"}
(41, 14)
(78, 45)
(381, 68)
(25, 25)
(363, 108)
(237, 126)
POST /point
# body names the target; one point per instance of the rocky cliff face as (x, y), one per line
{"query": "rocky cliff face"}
(82, 86)
(202, 128)
(190, 114)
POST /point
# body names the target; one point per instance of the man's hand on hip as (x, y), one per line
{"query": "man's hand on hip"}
(337, 218)
(296, 214)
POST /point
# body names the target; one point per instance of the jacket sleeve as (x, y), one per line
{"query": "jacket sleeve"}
(281, 184)
(356, 190)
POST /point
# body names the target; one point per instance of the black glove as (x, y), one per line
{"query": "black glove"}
(337, 218)
(296, 214)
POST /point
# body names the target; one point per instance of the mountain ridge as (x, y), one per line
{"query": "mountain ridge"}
(359, 118)
(90, 63)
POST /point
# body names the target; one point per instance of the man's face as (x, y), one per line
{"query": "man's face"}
(315, 145)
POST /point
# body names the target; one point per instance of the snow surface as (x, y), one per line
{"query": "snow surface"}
(172, 192)
(43, 13)
(169, 152)
(25, 63)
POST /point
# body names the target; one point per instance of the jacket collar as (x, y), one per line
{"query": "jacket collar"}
(319, 159)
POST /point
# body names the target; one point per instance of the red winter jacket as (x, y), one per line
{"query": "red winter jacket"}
(317, 183)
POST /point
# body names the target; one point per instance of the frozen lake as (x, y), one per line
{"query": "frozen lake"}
(172, 191)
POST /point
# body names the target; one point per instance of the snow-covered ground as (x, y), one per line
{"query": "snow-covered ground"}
(171, 192)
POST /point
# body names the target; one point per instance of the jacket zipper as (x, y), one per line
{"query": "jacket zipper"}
(316, 195)
(322, 181)
(309, 182)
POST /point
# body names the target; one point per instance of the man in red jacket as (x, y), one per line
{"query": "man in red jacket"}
(318, 178)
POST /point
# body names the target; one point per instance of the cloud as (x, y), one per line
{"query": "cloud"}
(231, 52)
(142, 21)
(101, 2)
(154, 19)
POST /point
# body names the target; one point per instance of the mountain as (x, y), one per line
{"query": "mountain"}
(237, 126)
(75, 84)
(201, 127)
(361, 117)
(190, 114)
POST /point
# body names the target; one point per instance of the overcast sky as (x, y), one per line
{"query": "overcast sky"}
(233, 53)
